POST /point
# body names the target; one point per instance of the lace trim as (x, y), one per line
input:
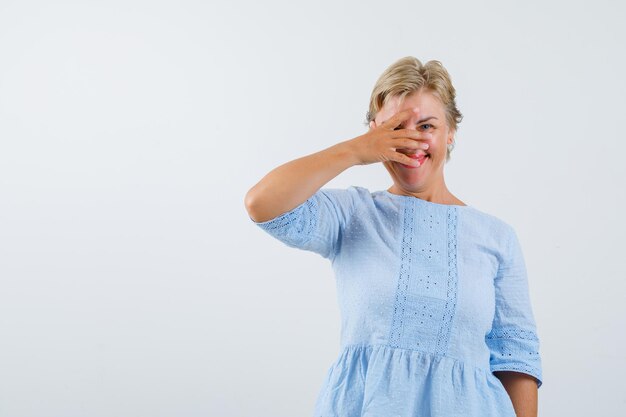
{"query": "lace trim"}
(405, 273)
(512, 333)
(520, 367)
(451, 294)
(304, 224)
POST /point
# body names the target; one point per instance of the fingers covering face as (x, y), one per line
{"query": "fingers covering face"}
(395, 120)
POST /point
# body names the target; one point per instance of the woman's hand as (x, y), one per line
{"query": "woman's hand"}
(381, 143)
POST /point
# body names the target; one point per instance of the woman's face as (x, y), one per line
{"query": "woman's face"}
(431, 119)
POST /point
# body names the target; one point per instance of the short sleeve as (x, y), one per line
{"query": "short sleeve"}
(317, 224)
(513, 341)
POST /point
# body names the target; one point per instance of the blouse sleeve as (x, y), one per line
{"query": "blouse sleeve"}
(513, 341)
(317, 224)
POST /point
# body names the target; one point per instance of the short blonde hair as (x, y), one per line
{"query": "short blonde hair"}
(408, 75)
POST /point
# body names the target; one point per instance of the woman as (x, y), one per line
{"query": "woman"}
(433, 293)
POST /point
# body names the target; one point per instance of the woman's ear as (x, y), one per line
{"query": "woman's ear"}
(451, 136)
(372, 125)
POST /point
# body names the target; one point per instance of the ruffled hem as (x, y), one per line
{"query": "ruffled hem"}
(381, 380)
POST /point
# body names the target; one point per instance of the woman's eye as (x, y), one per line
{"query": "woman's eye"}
(425, 124)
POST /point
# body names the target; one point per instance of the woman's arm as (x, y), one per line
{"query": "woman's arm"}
(292, 183)
(522, 388)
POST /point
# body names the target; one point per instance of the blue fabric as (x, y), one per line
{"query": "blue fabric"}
(433, 299)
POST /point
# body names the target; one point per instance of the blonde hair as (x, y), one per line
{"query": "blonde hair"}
(408, 75)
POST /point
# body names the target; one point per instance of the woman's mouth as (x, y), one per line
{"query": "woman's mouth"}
(420, 157)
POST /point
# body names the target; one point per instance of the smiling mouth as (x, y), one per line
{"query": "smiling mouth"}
(421, 157)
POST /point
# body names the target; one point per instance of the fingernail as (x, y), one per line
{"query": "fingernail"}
(425, 145)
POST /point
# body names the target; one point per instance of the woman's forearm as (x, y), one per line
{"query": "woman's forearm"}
(522, 388)
(292, 183)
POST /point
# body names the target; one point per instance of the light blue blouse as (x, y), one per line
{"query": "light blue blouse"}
(433, 298)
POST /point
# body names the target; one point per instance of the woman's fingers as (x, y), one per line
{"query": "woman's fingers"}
(410, 133)
(403, 159)
(403, 143)
(398, 118)
(381, 142)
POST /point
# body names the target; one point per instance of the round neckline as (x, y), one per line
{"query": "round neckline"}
(425, 202)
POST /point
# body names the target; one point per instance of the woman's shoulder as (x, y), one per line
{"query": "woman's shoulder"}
(352, 195)
(492, 227)
(490, 218)
(494, 223)
(358, 201)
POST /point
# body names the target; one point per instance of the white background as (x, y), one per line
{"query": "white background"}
(133, 283)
